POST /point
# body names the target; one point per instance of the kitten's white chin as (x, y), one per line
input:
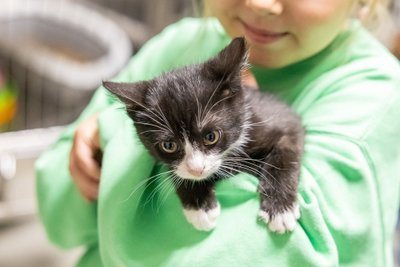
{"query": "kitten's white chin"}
(186, 175)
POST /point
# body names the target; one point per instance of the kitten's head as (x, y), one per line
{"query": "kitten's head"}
(191, 118)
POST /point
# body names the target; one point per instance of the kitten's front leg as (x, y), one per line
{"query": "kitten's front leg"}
(278, 187)
(201, 208)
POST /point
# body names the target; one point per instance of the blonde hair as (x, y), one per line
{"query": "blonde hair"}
(372, 11)
(375, 16)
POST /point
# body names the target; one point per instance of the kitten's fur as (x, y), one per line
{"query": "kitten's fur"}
(187, 109)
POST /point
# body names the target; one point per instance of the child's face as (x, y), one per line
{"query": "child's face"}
(281, 32)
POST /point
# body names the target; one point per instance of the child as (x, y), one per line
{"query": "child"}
(312, 55)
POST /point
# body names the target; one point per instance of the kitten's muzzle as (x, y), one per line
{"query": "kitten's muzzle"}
(195, 170)
(195, 166)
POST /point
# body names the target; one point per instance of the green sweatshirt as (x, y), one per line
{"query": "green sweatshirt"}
(348, 96)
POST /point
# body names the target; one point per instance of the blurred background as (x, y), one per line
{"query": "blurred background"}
(53, 55)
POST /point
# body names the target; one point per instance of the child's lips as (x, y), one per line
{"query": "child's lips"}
(262, 36)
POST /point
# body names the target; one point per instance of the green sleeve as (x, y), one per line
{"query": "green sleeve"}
(69, 220)
(350, 181)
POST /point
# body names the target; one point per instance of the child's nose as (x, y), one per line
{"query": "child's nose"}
(265, 7)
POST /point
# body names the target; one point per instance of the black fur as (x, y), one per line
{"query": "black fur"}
(274, 143)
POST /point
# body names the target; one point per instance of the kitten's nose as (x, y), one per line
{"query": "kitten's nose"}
(195, 165)
(195, 170)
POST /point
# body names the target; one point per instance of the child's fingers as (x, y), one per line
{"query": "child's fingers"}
(83, 155)
(85, 145)
(88, 188)
(84, 168)
(85, 184)
(84, 171)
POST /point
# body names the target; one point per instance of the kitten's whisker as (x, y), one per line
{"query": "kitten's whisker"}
(155, 119)
(148, 180)
(236, 149)
(204, 118)
(233, 170)
(259, 123)
(255, 160)
(192, 183)
(254, 172)
(137, 187)
(146, 109)
(171, 188)
(242, 155)
(251, 170)
(156, 190)
(263, 190)
(165, 190)
(121, 108)
(148, 131)
(164, 118)
(131, 99)
(159, 121)
(222, 173)
(259, 188)
(152, 125)
(255, 166)
(203, 121)
(177, 181)
(199, 112)
(212, 95)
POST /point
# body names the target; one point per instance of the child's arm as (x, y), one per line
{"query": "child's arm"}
(350, 182)
(68, 218)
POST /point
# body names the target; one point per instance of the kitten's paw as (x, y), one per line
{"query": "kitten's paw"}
(203, 220)
(282, 222)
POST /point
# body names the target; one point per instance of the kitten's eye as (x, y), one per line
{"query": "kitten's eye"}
(168, 146)
(212, 138)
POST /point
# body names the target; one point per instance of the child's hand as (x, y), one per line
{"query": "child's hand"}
(83, 167)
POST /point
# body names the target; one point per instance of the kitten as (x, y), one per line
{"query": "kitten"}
(206, 126)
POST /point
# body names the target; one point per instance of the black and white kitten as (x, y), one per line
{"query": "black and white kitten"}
(206, 126)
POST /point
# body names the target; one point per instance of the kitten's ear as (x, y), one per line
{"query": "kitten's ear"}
(132, 94)
(230, 61)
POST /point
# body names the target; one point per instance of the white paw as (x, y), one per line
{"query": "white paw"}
(203, 220)
(282, 222)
